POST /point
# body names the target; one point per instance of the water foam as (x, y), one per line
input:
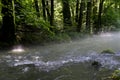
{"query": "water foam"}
(107, 60)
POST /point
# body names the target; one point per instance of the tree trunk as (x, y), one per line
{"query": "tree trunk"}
(72, 10)
(77, 11)
(52, 13)
(80, 19)
(66, 13)
(88, 16)
(8, 22)
(47, 9)
(99, 26)
(44, 11)
(37, 7)
(94, 15)
(116, 5)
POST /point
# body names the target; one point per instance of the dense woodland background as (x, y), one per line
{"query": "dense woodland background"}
(38, 21)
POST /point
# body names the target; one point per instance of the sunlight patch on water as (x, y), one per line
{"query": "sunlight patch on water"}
(17, 49)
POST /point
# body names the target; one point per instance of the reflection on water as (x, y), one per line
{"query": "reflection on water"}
(66, 61)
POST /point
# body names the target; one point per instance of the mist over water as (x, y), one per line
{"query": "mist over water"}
(88, 46)
(73, 55)
(84, 47)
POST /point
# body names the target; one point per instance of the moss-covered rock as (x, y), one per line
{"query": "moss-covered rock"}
(108, 51)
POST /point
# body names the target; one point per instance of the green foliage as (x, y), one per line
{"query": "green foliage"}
(26, 15)
(41, 34)
(36, 29)
(108, 18)
(61, 37)
(75, 35)
(115, 76)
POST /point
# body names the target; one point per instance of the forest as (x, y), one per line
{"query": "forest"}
(59, 39)
(38, 21)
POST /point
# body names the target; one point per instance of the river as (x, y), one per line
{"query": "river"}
(65, 61)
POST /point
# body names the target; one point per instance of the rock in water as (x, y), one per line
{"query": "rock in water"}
(109, 51)
(96, 64)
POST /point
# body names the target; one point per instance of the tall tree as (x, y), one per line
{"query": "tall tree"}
(66, 13)
(94, 14)
(80, 19)
(77, 10)
(44, 9)
(99, 26)
(47, 10)
(37, 7)
(88, 16)
(8, 21)
(52, 13)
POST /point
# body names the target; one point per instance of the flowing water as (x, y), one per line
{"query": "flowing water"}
(66, 61)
